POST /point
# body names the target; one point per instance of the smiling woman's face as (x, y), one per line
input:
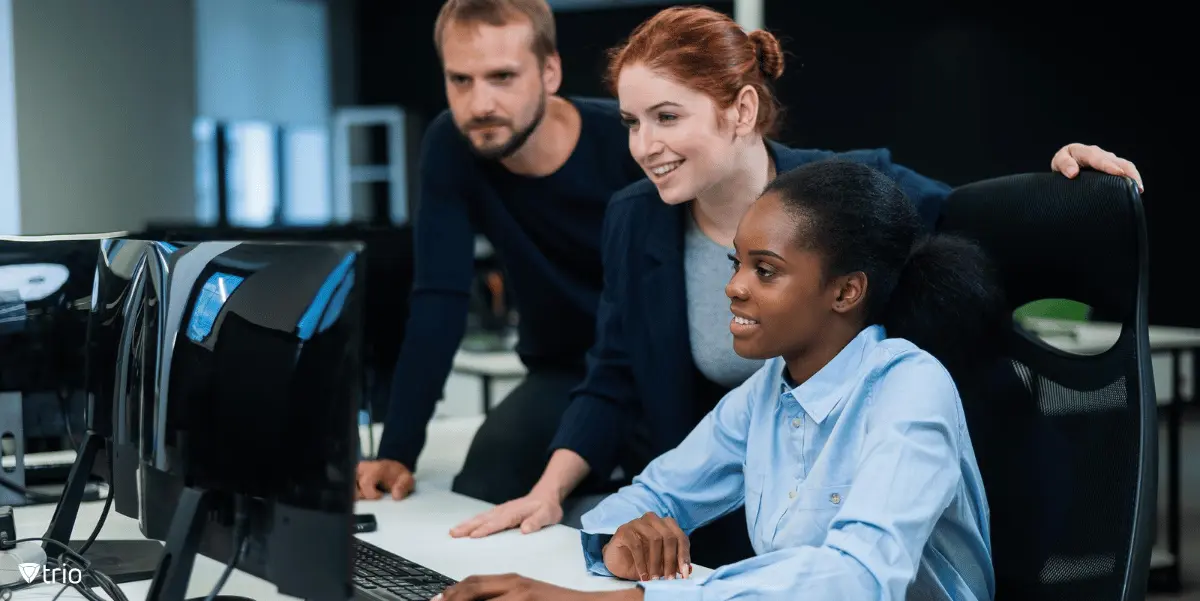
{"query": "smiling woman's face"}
(779, 295)
(674, 134)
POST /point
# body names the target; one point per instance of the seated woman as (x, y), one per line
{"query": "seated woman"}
(849, 448)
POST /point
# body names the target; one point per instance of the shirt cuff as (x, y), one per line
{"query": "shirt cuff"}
(593, 553)
(672, 590)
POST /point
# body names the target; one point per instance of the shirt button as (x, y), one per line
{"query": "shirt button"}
(792, 495)
(796, 422)
(835, 498)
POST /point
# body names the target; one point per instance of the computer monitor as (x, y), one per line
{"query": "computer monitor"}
(249, 436)
(109, 447)
(45, 294)
(388, 279)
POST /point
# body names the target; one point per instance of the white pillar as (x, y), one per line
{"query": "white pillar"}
(10, 198)
(748, 14)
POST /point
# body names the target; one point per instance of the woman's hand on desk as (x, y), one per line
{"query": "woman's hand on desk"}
(383, 475)
(513, 587)
(649, 548)
(540, 508)
(531, 513)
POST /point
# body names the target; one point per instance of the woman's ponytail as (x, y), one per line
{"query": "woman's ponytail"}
(949, 301)
(939, 292)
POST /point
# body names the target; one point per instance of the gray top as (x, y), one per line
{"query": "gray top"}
(707, 269)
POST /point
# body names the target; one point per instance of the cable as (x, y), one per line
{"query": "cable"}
(36, 497)
(64, 405)
(241, 539)
(108, 500)
(69, 559)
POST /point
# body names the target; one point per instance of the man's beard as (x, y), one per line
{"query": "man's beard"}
(518, 139)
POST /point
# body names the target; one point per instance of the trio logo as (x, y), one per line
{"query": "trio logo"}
(30, 571)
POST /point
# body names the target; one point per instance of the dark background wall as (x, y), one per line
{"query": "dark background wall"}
(956, 96)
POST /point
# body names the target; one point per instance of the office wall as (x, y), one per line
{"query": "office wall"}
(264, 60)
(10, 206)
(105, 100)
(964, 97)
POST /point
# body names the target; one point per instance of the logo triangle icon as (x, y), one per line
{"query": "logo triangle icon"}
(29, 571)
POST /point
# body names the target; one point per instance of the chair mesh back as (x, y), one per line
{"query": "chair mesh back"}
(1062, 438)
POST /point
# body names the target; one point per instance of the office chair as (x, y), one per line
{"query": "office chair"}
(1066, 443)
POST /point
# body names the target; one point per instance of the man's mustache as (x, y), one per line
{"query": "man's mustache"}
(483, 122)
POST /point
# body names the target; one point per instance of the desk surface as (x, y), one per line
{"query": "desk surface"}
(416, 528)
(499, 364)
(1097, 337)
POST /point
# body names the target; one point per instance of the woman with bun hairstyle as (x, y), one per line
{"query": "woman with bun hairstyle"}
(695, 92)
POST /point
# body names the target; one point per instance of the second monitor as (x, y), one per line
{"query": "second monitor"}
(248, 435)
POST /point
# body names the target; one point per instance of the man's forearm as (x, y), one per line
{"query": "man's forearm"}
(563, 473)
(435, 329)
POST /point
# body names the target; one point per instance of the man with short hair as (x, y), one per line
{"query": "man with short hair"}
(533, 172)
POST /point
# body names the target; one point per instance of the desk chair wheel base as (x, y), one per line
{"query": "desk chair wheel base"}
(123, 560)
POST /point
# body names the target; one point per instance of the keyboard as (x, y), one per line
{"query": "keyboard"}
(381, 575)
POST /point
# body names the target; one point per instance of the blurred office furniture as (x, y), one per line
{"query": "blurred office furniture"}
(262, 174)
(355, 131)
(1067, 443)
(489, 367)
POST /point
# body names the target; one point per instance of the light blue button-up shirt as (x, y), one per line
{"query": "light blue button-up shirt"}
(859, 484)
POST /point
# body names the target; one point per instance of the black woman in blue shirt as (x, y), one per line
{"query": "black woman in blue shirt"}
(849, 447)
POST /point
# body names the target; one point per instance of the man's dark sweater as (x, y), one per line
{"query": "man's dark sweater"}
(546, 232)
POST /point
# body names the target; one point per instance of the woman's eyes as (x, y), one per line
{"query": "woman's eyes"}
(664, 118)
(762, 270)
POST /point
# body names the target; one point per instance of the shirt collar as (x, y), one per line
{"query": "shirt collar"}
(824, 390)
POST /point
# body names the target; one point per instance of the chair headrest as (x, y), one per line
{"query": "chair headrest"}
(1082, 239)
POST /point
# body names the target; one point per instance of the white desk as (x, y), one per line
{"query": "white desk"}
(45, 459)
(416, 528)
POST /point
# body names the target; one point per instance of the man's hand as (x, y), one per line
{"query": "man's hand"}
(513, 587)
(383, 475)
(649, 548)
(1072, 157)
(531, 513)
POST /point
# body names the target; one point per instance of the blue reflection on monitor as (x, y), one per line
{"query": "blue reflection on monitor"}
(212, 297)
(328, 300)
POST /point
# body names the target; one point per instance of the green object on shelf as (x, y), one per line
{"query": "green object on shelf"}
(1053, 308)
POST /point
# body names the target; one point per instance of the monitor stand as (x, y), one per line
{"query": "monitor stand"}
(183, 543)
(121, 560)
(11, 414)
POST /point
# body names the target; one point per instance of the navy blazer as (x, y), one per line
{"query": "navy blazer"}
(641, 365)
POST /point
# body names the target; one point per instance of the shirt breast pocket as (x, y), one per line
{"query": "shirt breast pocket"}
(817, 506)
